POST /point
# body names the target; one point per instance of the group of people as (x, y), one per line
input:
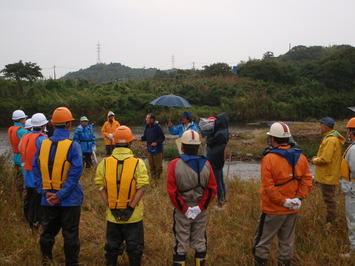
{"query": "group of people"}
(52, 167)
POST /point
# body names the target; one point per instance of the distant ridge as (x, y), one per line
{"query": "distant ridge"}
(102, 73)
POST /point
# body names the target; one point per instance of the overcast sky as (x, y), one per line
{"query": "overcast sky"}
(140, 33)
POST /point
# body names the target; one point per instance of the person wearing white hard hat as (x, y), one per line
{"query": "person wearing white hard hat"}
(285, 181)
(15, 134)
(28, 149)
(108, 129)
(191, 187)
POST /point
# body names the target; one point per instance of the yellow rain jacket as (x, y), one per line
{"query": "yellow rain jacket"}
(329, 157)
(141, 177)
(109, 128)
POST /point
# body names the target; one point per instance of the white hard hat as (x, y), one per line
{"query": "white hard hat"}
(38, 120)
(190, 137)
(28, 123)
(18, 114)
(279, 130)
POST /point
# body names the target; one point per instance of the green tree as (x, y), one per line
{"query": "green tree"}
(218, 69)
(20, 71)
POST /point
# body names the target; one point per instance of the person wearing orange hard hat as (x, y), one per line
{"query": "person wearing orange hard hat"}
(121, 179)
(348, 185)
(57, 168)
(108, 129)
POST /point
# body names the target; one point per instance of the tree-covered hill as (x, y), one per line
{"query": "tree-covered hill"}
(101, 73)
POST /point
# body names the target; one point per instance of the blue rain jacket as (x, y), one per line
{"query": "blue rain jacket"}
(85, 137)
(154, 133)
(179, 129)
(71, 193)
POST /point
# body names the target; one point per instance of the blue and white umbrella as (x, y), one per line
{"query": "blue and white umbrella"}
(171, 101)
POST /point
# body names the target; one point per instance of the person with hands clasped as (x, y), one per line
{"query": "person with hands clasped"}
(121, 179)
(191, 187)
(57, 168)
(108, 129)
(286, 181)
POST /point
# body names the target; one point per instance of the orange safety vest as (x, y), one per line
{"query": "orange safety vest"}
(28, 149)
(345, 168)
(121, 188)
(54, 173)
(13, 138)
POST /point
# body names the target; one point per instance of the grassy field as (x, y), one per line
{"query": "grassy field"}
(230, 231)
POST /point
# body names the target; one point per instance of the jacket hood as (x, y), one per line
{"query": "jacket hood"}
(335, 133)
(195, 162)
(122, 153)
(222, 121)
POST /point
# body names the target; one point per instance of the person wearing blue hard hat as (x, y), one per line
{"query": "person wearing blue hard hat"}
(327, 162)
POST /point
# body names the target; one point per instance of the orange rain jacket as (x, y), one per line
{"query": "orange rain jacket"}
(276, 170)
(109, 128)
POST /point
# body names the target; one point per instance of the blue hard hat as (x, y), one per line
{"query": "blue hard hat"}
(187, 115)
(328, 121)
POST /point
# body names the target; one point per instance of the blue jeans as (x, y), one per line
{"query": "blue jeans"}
(221, 188)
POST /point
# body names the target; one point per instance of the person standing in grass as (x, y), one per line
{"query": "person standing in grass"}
(191, 186)
(348, 185)
(15, 133)
(216, 152)
(154, 136)
(107, 130)
(84, 135)
(57, 168)
(327, 164)
(285, 181)
(121, 179)
(28, 148)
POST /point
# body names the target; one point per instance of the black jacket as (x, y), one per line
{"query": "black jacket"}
(217, 141)
(154, 133)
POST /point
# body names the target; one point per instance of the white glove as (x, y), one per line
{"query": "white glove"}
(110, 136)
(296, 204)
(94, 148)
(289, 203)
(195, 212)
(188, 213)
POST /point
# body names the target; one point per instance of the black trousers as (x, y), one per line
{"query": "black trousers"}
(109, 149)
(67, 219)
(32, 206)
(87, 161)
(119, 236)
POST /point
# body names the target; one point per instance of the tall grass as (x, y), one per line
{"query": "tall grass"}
(230, 231)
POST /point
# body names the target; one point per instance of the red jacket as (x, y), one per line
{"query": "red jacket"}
(183, 186)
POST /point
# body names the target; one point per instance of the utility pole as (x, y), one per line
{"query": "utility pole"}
(193, 65)
(172, 62)
(98, 49)
(289, 47)
(54, 75)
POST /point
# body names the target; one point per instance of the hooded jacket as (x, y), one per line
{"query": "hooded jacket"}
(109, 128)
(154, 133)
(71, 193)
(140, 175)
(277, 183)
(329, 158)
(217, 141)
(85, 137)
(180, 129)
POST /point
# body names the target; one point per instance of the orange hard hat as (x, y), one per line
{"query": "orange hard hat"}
(351, 123)
(62, 115)
(123, 135)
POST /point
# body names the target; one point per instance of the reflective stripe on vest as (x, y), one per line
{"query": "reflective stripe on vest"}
(121, 189)
(54, 173)
(13, 138)
(345, 168)
(28, 149)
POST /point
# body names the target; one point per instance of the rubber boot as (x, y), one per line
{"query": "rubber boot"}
(111, 260)
(179, 260)
(260, 261)
(200, 258)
